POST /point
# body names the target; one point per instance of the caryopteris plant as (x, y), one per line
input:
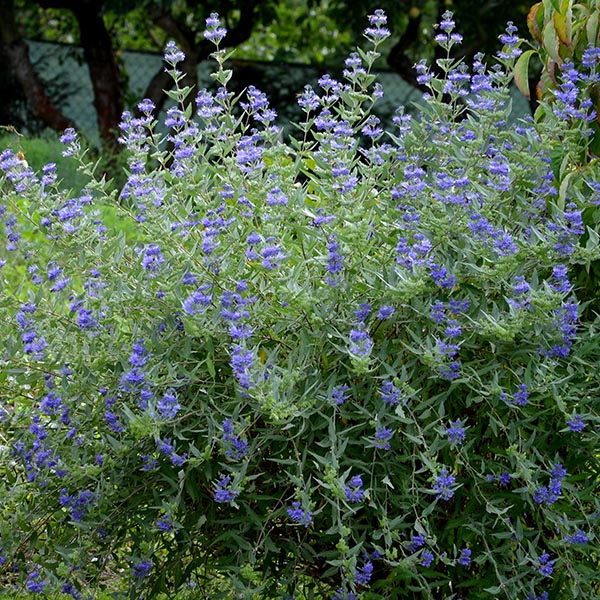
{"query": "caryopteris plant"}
(354, 365)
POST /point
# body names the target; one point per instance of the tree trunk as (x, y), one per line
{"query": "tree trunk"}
(102, 65)
(104, 72)
(17, 68)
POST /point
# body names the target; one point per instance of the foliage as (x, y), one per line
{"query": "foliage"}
(566, 37)
(480, 22)
(49, 24)
(302, 31)
(564, 33)
(351, 365)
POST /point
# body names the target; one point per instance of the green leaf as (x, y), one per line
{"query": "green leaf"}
(490, 508)
(564, 188)
(494, 590)
(551, 42)
(535, 21)
(591, 27)
(563, 27)
(521, 73)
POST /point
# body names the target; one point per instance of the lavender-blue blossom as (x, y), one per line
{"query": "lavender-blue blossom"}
(224, 490)
(300, 515)
(353, 490)
(443, 485)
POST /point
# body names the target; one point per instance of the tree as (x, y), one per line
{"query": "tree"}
(479, 22)
(103, 25)
(102, 65)
(182, 22)
(18, 77)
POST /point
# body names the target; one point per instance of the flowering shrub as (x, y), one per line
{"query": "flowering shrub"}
(354, 365)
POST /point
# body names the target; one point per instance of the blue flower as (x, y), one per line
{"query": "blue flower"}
(149, 463)
(236, 448)
(550, 494)
(453, 328)
(164, 446)
(308, 100)
(272, 256)
(363, 311)
(443, 485)
(335, 262)
(591, 57)
(142, 569)
(51, 404)
(390, 394)
(113, 421)
(71, 590)
(249, 153)
(504, 478)
(464, 558)
(579, 537)
(175, 118)
(385, 312)
(437, 312)
(225, 492)
(521, 396)
(441, 276)
(382, 437)
(545, 565)
(173, 54)
(152, 258)
(339, 394)
(363, 574)
(510, 40)
(354, 491)
(299, 515)
(205, 102)
(341, 595)
(168, 406)
(371, 128)
(165, 523)
(361, 343)
(456, 433)
(242, 361)
(35, 583)
(276, 197)
(427, 558)
(576, 423)
(199, 301)
(377, 32)
(146, 106)
(416, 542)
(214, 32)
(561, 279)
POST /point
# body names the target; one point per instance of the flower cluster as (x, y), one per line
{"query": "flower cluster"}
(551, 493)
(300, 515)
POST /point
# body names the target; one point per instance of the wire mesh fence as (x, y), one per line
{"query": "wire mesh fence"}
(66, 76)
